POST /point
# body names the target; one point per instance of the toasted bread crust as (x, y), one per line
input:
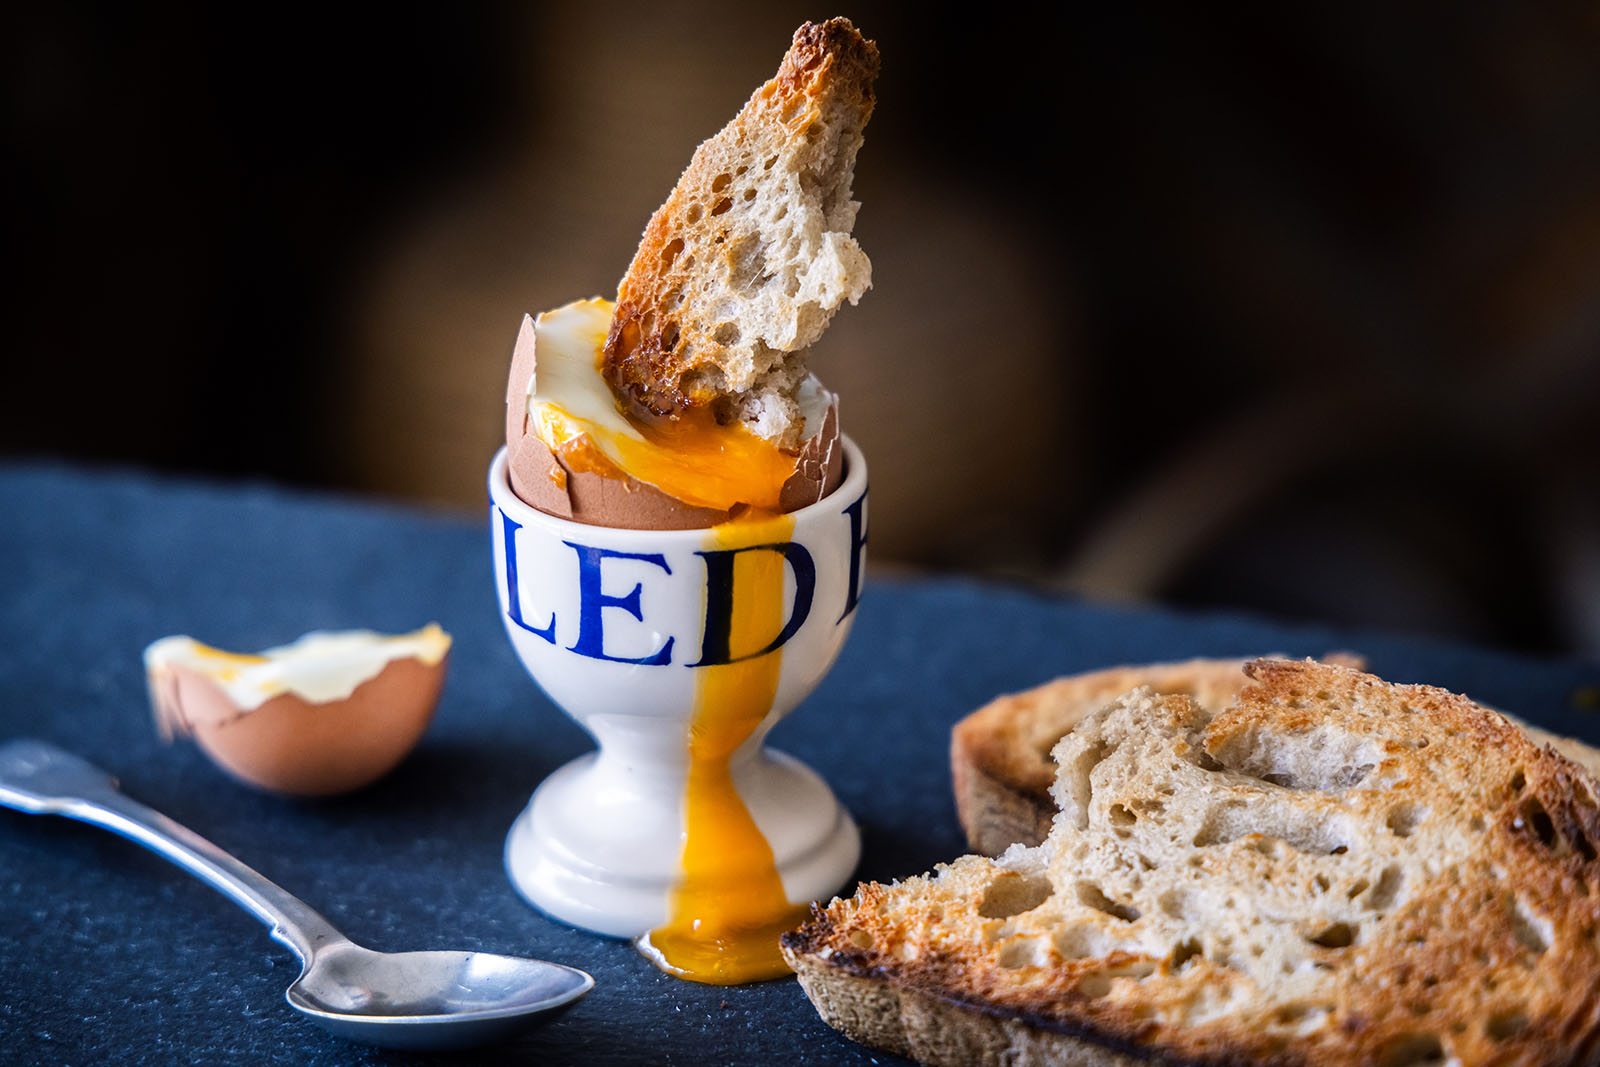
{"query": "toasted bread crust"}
(700, 317)
(932, 1019)
(929, 1025)
(994, 810)
(1457, 919)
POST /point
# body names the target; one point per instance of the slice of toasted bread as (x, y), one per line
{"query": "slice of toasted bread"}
(1000, 754)
(744, 264)
(1330, 870)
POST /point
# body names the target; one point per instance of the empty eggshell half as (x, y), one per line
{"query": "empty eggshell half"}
(327, 714)
(546, 479)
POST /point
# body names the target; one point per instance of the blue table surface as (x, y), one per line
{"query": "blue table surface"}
(110, 955)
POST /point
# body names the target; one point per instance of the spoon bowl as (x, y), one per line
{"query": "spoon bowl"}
(430, 1000)
(408, 1000)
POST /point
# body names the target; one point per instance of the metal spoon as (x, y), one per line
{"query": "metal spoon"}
(415, 1000)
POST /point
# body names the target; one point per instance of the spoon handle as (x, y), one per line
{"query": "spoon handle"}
(40, 779)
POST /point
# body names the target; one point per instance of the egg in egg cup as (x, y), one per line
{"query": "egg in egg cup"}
(678, 650)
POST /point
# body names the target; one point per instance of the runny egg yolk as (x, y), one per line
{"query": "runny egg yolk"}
(730, 907)
(690, 456)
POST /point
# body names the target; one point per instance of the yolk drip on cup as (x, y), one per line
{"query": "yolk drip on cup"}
(730, 908)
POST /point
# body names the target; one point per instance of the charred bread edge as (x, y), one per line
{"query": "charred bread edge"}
(990, 809)
(801, 947)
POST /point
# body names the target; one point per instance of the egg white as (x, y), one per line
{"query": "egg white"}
(320, 667)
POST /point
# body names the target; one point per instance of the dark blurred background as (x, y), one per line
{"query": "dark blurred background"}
(1298, 312)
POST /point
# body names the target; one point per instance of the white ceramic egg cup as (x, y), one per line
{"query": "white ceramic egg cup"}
(609, 622)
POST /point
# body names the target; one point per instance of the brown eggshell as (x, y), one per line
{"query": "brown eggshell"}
(289, 745)
(544, 480)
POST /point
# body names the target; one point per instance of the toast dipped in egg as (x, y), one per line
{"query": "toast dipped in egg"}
(688, 400)
(743, 266)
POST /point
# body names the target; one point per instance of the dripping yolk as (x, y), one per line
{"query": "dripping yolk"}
(729, 909)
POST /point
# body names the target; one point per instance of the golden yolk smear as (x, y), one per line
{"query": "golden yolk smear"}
(730, 908)
(690, 457)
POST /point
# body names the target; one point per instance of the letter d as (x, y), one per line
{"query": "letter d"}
(715, 650)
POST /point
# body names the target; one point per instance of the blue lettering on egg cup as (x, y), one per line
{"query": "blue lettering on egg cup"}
(614, 625)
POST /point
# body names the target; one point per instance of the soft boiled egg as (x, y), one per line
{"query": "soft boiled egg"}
(326, 714)
(574, 452)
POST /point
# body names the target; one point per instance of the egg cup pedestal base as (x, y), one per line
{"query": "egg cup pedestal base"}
(600, 846)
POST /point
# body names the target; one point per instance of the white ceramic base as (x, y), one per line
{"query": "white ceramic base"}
(597, 848)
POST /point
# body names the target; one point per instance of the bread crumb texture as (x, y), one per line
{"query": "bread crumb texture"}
(1330, 870)
(1011, 738)
(745, 263)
